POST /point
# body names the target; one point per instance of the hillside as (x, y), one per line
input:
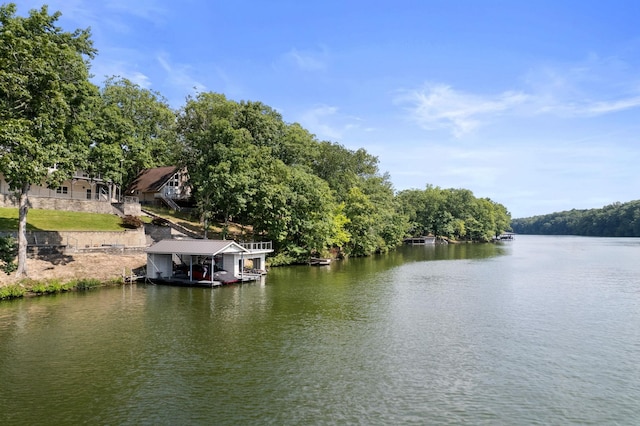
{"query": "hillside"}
(614, 220)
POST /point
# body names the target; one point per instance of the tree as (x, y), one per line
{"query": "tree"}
(44, 103)
(361, 225)
(134, 129)
(343, 168)
(223, 162)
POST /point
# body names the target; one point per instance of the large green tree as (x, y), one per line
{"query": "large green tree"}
(44, 97)
(221, 159)
(134, 129)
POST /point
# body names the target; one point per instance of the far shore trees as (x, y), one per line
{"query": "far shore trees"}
(453, 213)
(44, 97)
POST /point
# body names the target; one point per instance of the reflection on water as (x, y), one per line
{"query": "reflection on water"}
(539, 330)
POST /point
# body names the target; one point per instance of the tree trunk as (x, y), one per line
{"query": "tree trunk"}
(22, 232)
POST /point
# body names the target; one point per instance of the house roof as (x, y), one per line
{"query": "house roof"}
(152, 180)
(196, 247)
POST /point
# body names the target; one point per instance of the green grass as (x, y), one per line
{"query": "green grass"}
(54, 286)
(12, 292)
(56, 220)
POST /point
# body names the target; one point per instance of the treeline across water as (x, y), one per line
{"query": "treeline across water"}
(614, 220)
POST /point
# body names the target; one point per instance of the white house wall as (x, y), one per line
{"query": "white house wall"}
(159, 266)
(230, 263)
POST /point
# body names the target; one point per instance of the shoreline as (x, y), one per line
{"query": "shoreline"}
(67, 267)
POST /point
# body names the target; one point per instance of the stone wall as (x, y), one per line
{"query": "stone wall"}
(79, 240)
(86, 206)
(7, 200)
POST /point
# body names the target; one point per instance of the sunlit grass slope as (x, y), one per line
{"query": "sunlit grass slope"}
(55, 220)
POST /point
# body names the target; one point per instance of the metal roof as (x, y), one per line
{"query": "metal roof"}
(196, 247)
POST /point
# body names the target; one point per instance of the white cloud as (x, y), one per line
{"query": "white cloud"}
(439, 106)
(307, 60)
(104, 69)
(328, 123)
(593, 87)
(145, 9)
(317, 119)
(179, 75)
(588, 108)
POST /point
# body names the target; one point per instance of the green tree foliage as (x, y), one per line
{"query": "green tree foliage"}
(342, 168)
(308, 197)
(453, 213)
(133, 129)
(8, 252)
(221, 159)
(45, 98)
(372, 220)
(614, 220)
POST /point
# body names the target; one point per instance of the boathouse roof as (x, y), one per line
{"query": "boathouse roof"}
(196, 247)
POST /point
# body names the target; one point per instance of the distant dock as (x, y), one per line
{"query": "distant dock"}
(507, 236)
(420, 241)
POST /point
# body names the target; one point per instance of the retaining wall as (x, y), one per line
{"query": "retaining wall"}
(79, 240)
(87, 206)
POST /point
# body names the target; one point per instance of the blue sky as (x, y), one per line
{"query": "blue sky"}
(534, 104)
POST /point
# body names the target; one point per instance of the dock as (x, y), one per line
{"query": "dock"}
(205, 263)
(420, 241)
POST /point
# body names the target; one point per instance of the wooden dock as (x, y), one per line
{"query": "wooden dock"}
(420, 241)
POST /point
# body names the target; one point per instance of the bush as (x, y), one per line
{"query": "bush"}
(160, 221)
(132, 222)
(11, 292)
(87, 283)
(8, 253)
(281, 259)
(39, 288)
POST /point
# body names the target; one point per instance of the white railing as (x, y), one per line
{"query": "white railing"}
(260, 245)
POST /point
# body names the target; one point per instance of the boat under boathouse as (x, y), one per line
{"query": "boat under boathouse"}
(206, 262)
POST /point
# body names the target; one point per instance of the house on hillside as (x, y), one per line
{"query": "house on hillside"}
(161, 185)
(81, 186)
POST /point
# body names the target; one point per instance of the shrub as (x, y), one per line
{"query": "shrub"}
(87, 283)
(8, 253)
(11, 291)
(160, 221)
(132, 222)
(281, 259)
(39, 288)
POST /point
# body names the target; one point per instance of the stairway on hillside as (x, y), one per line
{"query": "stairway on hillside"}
(175, 226)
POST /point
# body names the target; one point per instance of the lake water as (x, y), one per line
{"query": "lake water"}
(541, 330)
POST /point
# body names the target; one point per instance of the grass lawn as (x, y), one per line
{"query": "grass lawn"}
(55, 220)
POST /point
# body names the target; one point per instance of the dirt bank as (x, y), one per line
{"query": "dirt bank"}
(103, 266)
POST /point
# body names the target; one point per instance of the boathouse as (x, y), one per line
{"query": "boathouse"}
(208, 261)
(420, 241)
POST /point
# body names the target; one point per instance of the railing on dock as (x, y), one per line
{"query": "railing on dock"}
(259, 245)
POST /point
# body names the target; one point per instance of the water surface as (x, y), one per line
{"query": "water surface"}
(542, 330)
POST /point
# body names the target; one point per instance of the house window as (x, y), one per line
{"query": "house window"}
(174, 181)
(62, 190)
(88, 194)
